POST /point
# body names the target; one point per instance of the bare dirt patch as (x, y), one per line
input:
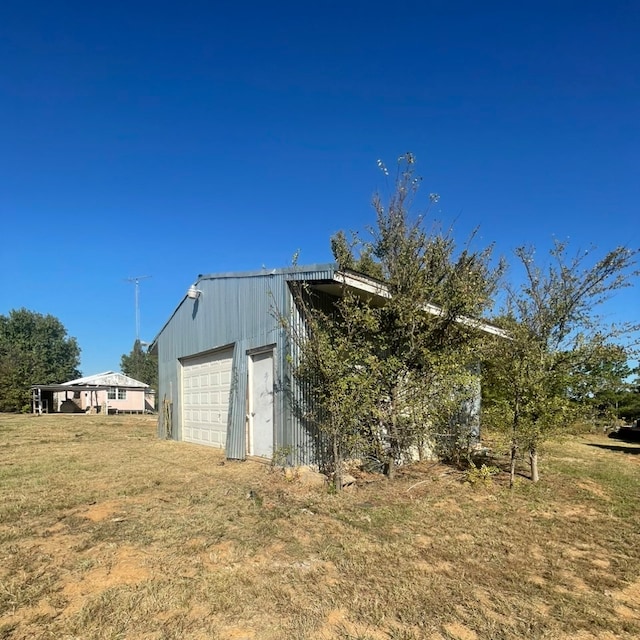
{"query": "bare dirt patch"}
(125, 566)
(338, 625)
(593, 488)
(103, 510)
(629, 599)
(459, 632)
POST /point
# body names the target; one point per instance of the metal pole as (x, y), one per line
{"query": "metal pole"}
(136, 283)
(137, 295)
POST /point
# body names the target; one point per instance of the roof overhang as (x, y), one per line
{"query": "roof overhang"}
(378, 293)
(79, 387)
(86, 387)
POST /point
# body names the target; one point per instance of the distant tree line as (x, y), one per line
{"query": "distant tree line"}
(34, 349)
(141, 365)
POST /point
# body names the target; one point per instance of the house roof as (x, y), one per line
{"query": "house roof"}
(107, 379)
(65, 387)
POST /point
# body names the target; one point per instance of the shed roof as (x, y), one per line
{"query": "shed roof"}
(305, 272)
(293, 271)
(352, 279)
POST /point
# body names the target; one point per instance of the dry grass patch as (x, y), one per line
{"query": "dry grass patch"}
(108, 532)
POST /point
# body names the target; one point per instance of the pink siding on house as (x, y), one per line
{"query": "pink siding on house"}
(135, 400)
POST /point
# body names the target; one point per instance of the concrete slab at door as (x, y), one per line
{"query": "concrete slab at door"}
(206, 386)
(261, 404)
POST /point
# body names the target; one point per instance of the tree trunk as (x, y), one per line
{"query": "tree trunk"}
(337, 465)
(393, 437)
(391, 467)
(533, 460)
(514, 442)
(512, 467)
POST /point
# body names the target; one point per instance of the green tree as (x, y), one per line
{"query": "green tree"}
(555, 359)
(344, 254)
(427, 354)
(604, 372)
(619, 398)
(601, 381)
(415, 354)
(34, 349)
(140, 365)
(332, 367)
(629, 400)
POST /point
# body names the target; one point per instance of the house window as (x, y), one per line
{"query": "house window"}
(122, 394)
(117, 394)
(111, 394)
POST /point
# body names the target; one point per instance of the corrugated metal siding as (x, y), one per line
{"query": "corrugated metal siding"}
(307, 444)
(242, 311)
(298, 434)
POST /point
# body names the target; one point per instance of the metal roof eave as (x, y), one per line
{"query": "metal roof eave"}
(366, 284)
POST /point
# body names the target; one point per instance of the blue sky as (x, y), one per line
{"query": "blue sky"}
(176, 138)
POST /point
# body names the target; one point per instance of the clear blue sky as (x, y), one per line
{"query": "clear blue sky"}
(176, 138)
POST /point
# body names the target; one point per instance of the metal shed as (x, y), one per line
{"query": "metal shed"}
(223, 357)
(223, 368)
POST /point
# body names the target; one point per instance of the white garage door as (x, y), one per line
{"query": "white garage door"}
(206, 383)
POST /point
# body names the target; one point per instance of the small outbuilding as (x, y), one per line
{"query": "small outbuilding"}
(225, 360)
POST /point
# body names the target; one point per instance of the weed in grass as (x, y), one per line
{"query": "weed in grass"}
(481, 475)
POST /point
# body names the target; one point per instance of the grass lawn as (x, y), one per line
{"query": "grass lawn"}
(107, 532)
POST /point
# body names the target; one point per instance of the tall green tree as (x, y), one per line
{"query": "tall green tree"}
(559, 346)
(140, 365)
(411, 358)
(34, 349)
(426, 353)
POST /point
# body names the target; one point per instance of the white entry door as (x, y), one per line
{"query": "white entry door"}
(261, 404)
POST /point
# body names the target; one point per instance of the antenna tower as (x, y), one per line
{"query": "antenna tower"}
(136, 282)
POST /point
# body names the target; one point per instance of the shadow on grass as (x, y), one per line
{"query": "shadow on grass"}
(616, 447)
